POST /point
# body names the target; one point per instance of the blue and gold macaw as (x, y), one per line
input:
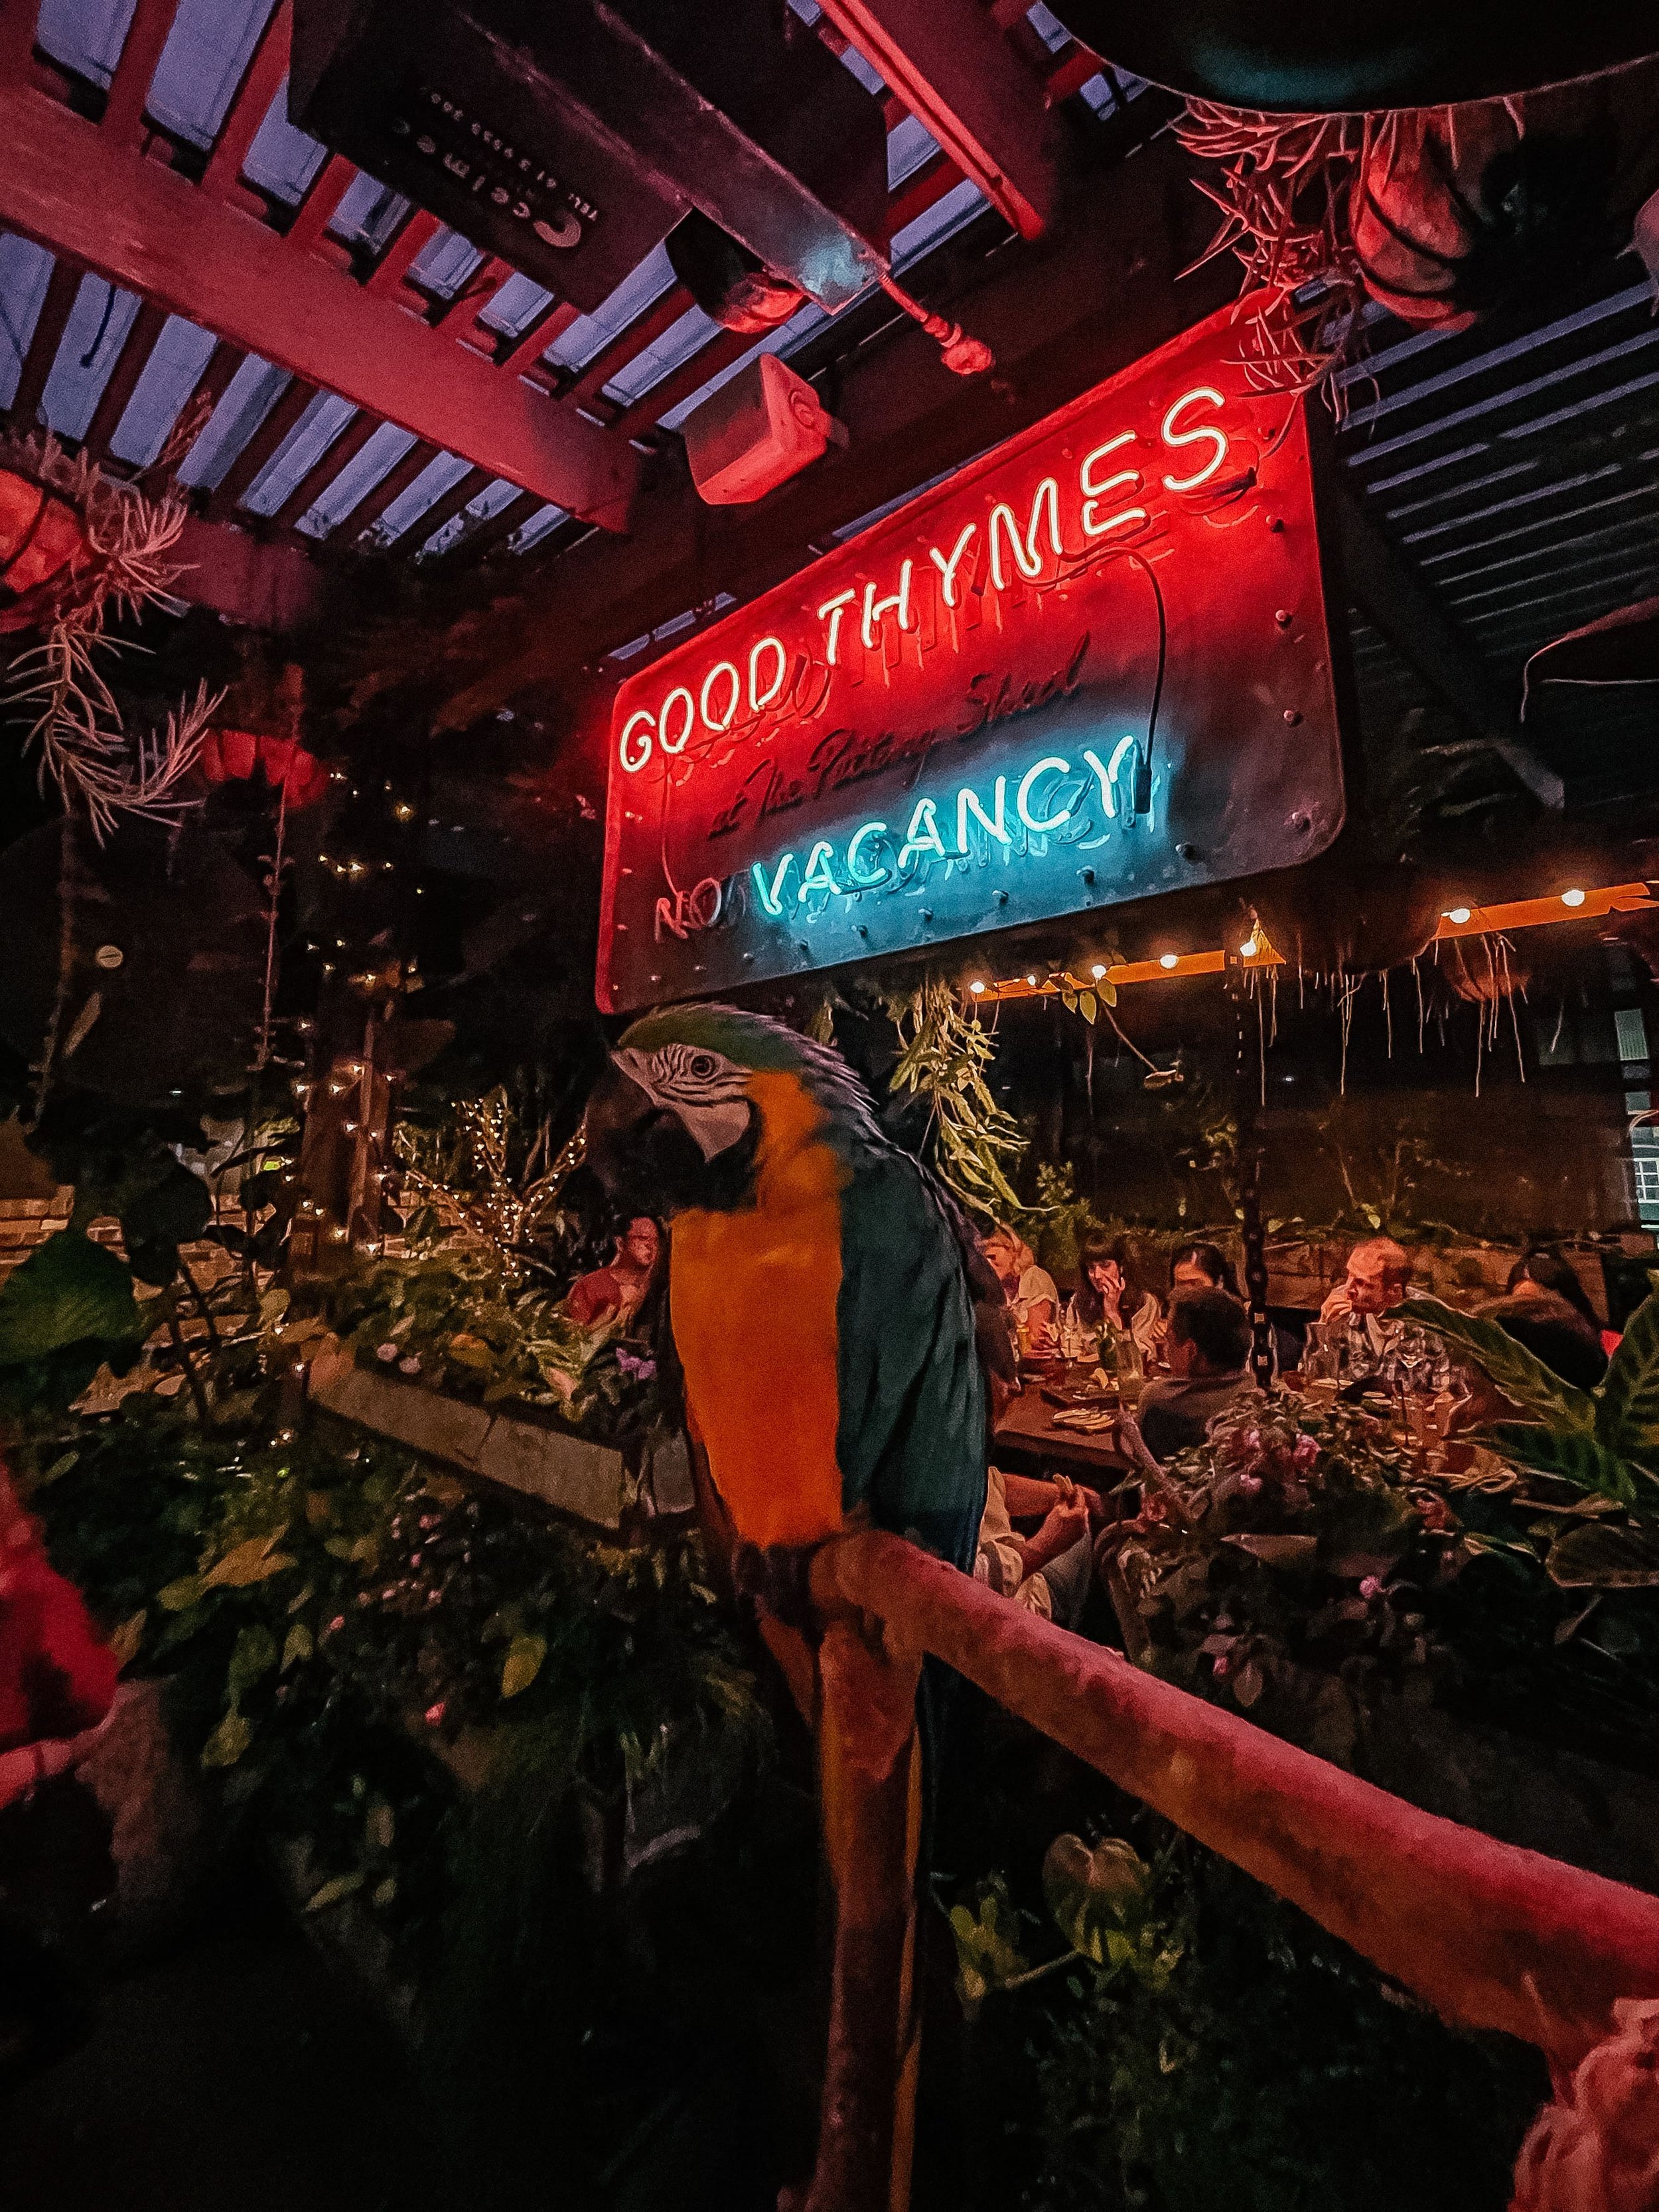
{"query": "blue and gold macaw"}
(822, 1303)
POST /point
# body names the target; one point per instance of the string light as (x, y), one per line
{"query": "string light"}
(977, 988)
(1572, 898)
(1098, 972)
(1168, 959)
(1460, 914)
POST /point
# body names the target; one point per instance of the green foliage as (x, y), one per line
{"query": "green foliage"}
(1604, 1443)
(1235, 2058)
(1057, 1225)
(943, 1057)
(64, 1312)
(316, 1596)
(457, 1321)
(1517, 1372)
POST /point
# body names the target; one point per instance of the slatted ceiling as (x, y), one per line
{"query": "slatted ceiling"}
(588, 336)
(247, 401)
(910, 146)
(379, 453)
(368, 215)
(514, 307)
(294, 396)
(678, 342)
(203, 61)
(324, 417)
(86, 36)
(210, 75)
(25, 273)
(445, 263)
(93, 338)
(171, 373)
(281, 160)
(483, 507)
(535, 528)
(335, 460)
(440, 476)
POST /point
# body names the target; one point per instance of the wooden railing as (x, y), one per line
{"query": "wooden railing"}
(1490, 1935)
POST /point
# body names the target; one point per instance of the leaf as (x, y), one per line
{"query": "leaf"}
(380, 1828)
(297, 1645)
(1575, 1458)
(384, 1893)
(1279, 1551)
(228, 1741)
(522, 1664)
(1627, 1419)
(68, 1290)
(179, 1596)
(1364, 1534)
(1093, 1894)
(253, 1561)
(60, 1465)
(1537, 1388)
(128, 1638)
(1089, 1006)
(253, 1654)
(335, 1891)
(1593, 1554)
(273, 1305)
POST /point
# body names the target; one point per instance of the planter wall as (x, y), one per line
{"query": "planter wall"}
(587, 1480)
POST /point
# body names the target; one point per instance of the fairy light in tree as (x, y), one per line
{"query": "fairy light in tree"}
(1168, 959)
(1572, 898)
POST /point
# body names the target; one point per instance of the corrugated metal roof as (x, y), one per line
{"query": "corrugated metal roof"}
(1515, 469)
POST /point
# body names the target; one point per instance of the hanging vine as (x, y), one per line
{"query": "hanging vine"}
(944, 1058)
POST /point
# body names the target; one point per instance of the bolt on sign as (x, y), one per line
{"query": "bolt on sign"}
(1091, 666)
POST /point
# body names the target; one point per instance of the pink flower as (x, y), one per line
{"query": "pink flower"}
(388, 1351)
(1154, 1509)
(1249, 1486)
(409, 1366)
(435, 1715)
(1437, 1515)
(335, 1625)
(1303, 1453)
(1371, 1587)
(1222, 1665)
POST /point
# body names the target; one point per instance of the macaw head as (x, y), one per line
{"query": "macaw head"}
(679, 1119)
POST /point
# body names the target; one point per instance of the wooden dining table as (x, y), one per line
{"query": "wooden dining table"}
(1025, 1439)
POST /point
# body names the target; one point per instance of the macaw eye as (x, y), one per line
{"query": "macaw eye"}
(703, 1066)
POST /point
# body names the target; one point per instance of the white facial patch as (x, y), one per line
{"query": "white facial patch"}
(706, 1091)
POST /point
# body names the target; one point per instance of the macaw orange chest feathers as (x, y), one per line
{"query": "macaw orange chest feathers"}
(754, 1294)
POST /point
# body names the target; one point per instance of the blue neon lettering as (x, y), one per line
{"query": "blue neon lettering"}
(1023, 797)
(772, 898)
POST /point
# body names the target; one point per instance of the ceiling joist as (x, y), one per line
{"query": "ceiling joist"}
(76, 188)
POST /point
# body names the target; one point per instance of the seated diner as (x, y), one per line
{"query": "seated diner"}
(1208, 1351)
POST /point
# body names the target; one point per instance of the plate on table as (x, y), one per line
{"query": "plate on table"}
(1080, 1393)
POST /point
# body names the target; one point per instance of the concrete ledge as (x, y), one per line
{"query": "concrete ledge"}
(585, 1480)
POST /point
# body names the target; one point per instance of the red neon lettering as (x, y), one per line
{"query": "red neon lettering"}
(1197, 435)
(1027, 559)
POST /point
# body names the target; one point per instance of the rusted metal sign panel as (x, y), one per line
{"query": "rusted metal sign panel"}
(1091, 666)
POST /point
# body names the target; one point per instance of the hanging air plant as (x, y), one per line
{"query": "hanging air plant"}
(1441, 215)
(75, 548)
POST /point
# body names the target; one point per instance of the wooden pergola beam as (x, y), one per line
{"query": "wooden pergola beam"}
(47, 335)
(65, 183)
(1398, 604)
(957, 74)
(147, 326)
(261, 81)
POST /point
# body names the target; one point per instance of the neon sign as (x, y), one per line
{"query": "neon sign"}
(1090, 667)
